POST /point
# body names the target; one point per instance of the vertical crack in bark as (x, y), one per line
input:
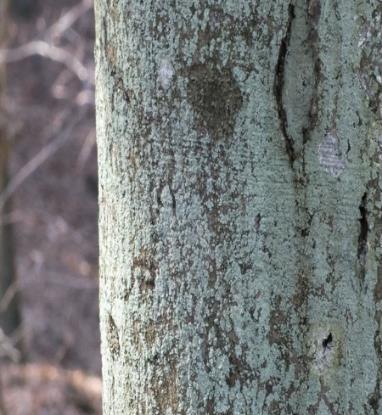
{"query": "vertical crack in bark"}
(375, 397)
(364, 230)
(278, 87)
(113, 338)
(173, 200)
(363, 237)
(119, 87)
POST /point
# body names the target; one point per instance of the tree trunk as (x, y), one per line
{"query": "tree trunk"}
(9, 307)
(24, 9)
(240, 229)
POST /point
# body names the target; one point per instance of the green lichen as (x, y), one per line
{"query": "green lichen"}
(229, 250)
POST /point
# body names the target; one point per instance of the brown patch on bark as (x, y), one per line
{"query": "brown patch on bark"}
(279, 332)
(150, 334)
(166, 394)
(111, 54)
(119, 88)
(314, 10)
(145, 262)
(216, 99)
(113, 338)
(378, 286)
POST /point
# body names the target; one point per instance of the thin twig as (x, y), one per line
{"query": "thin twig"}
(67, 20)
(8, 296)
(86, 149)
(69, 283)
(41, 157)
(47, 50)
(7, 348)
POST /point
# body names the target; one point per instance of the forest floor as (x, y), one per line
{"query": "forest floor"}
(54, 199)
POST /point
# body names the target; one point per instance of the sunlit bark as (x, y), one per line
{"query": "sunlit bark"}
(240, 230)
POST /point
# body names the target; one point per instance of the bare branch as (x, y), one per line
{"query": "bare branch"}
(46, 50)
(8, 296)
(7, 348)
(41, 157)
(69, 18)
(86, 149)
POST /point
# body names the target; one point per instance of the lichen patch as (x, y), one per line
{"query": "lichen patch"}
(165, 74)
(330, 156)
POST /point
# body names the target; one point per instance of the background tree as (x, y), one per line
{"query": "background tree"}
(240, 226)
(24, 8)
(9, 309)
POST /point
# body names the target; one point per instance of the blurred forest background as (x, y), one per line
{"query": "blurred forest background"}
(49, 340)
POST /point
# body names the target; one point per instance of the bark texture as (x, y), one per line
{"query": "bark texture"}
(240, 146)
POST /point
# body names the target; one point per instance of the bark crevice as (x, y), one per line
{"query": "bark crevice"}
(363, 232)
(119, 85)
(278, 87)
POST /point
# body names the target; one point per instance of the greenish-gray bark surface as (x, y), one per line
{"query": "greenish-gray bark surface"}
(240, 147)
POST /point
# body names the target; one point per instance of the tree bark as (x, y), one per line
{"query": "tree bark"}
(240, 146)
